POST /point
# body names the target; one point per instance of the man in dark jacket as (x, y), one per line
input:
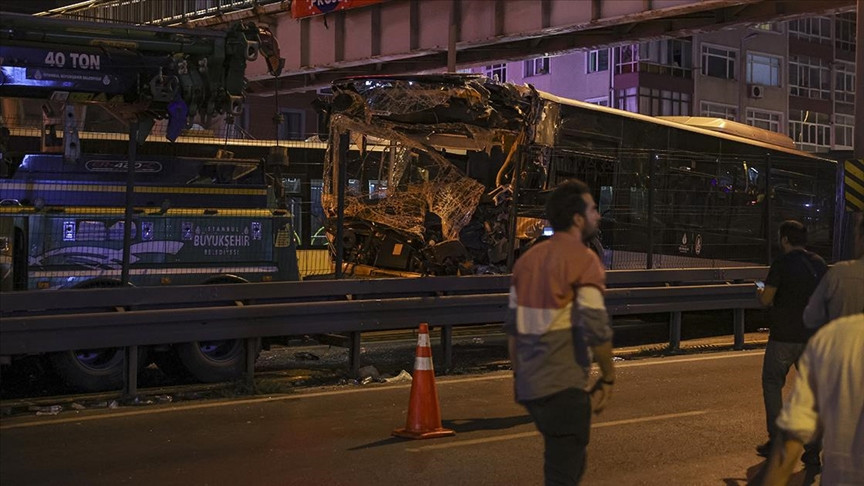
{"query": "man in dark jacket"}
(791, 280)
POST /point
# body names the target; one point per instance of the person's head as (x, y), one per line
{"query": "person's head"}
(571, 208)
(792, 234)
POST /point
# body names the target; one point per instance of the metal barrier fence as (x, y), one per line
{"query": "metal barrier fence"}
(41, 322)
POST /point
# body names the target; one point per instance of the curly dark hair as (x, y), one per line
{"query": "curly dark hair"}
(565, 202)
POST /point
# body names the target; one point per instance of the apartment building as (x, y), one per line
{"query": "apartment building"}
(795, 77)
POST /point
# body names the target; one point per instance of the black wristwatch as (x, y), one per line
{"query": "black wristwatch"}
(607, 382)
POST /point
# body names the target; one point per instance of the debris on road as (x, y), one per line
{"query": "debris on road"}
(368, 372)
(402, 377)
(49, 410)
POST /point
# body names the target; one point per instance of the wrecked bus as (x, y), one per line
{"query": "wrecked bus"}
(447, 174)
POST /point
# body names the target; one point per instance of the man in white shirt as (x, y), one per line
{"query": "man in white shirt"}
(841, 291)
(828, 396)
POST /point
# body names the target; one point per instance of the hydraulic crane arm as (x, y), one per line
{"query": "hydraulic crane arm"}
(138, 71)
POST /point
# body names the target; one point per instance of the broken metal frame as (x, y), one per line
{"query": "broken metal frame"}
(40, 322)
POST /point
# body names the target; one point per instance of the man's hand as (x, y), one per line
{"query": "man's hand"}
(601, 392)
(600, 395)
(766, 295)
(782, 461)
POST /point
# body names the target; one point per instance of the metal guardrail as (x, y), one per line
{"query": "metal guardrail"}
(47, 321)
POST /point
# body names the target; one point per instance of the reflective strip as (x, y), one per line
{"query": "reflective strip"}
(590, 297)
(81, 187)
(422, 340)
(423, 364)
(853, 182)
(536, 321)
(151, 271)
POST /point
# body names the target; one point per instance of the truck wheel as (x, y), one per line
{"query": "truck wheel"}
(214, 361)
(93, 370)
(90, 370)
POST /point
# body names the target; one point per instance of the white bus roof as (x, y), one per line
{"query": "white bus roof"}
(714, 127)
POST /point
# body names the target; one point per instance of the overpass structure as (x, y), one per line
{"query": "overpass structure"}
(384, 37)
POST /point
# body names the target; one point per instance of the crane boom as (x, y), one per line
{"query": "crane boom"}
(138, 71)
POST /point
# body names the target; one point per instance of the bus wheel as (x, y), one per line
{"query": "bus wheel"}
(214, 361)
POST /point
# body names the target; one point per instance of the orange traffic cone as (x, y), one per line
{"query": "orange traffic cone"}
(424, 414)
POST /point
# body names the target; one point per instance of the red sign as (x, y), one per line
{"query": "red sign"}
(309, 8)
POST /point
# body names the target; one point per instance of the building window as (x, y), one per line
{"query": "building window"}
(844, 131)
(536, 67)
(602, 101)
(669, 52)
(718, 110)
(665, 57)
(809, 77)
(671, 57)
(844, 31)
(810, 130)
(718, 62)
(598, 60)
(627, 59)
(766, 120)
(657, 102)
(292, 126)
(627, 100)
(814, 29)
(763, 69)
(496, 72)
(845, 82)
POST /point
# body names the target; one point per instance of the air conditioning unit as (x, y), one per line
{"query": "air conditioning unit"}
(755, 90)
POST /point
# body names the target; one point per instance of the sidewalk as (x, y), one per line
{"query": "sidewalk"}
(716, 343)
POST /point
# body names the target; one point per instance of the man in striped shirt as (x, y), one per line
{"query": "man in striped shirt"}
(556, 321)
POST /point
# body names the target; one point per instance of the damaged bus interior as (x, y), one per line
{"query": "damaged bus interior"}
(447, 175)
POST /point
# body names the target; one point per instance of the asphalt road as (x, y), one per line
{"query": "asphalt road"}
(681, 420)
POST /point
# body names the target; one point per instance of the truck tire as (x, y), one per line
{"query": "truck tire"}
(215, 361)
(93, 370)
(90, 370)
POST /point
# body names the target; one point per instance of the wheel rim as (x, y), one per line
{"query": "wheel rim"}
(96, 359)
(219, 350)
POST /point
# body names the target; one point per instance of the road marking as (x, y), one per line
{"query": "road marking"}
(200, 406)
(738, 354)
(534, 433)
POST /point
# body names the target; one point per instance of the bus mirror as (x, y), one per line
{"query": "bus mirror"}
(323, 110)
